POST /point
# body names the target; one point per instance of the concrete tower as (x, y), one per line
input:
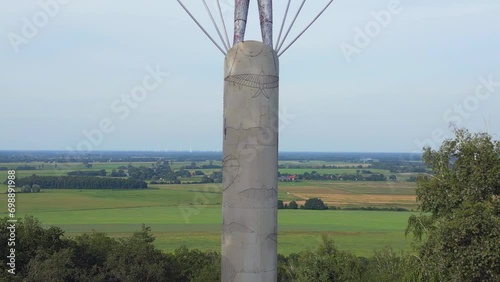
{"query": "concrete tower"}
(250, 163)
(250, 146)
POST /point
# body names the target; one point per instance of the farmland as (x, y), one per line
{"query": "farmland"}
(190, 214)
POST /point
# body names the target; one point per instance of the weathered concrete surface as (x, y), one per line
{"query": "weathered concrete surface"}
(250, 163)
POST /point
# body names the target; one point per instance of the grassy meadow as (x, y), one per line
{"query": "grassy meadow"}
(190, 214)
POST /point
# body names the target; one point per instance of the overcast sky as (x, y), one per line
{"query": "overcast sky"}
(371, 76)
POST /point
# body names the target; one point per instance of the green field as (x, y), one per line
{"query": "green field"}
(189, 215)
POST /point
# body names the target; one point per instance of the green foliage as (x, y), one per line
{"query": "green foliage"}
(210, 272)
(192, 265)
(45, 255)
(293, 205)
(326, 263)
(466, 247)
(281, 205)
(159, 170)
(35, 188)
(101, 172)
(315, 204)
(120, 173)
(48, 256)
(91, 254)
(387, 265)
(460, 231)
(57, 267)
(26, 189)
(30, 240)
(136, 259)
(465, 169)
(365, 175)
(206, 179)
(26, 167)
(369, 209)
(81, 182)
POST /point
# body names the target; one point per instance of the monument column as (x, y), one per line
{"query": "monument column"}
(250, 163)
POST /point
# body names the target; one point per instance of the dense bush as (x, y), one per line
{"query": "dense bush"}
(293, 205)
(315, 204)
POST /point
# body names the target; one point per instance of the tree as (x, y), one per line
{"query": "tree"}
(315, 204)
(26, 189)
(45, 254)
(119, 173)
(461, 202)
(57, 267)
(35, 188)
(206, 179)
(387, 265)
(79, 182)
(326, 263)
(280, 204)
(136, 259)
(293, 205)
(35, 239)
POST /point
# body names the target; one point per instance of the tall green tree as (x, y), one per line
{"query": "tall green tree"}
(458, 231)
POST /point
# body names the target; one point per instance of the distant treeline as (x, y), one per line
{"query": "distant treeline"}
(101, 172)
(400, 166)
(195, 156)
(369, 209)
(23, 167)
(81, 182)
(314, 175)
(193, 166)
(318, 204)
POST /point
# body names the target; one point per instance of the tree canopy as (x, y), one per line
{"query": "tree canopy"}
(458, 231)
(315, 204)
